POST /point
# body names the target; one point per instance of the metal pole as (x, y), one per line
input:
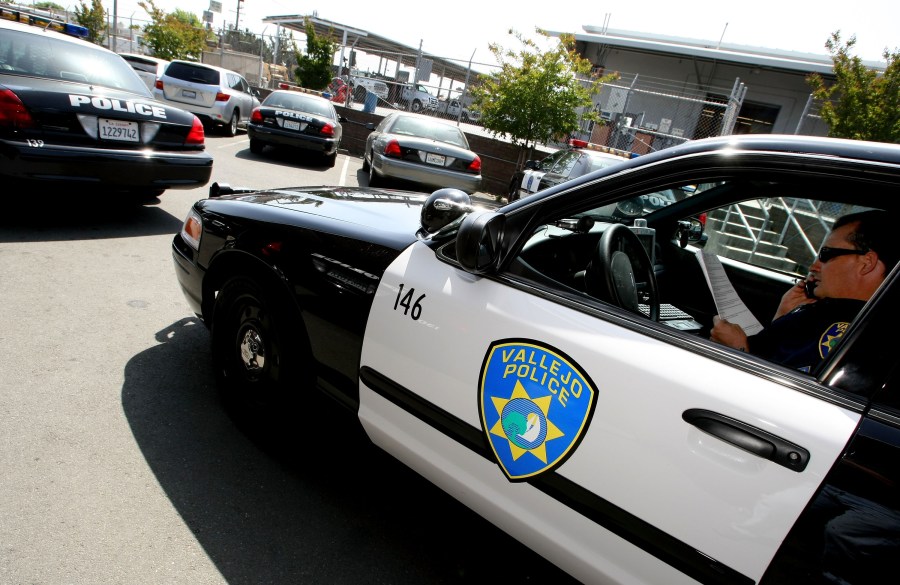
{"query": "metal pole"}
(806, 108)
(237, 18)
(113, 44)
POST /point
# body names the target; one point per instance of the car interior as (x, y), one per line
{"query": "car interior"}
(766, 233)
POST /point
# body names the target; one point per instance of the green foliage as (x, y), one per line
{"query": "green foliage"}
(537, 94)
(314, 68)
(177, 35)
(92, 18)
(860, 104)
(49, 6)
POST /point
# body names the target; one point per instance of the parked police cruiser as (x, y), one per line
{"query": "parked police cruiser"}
(75, 114)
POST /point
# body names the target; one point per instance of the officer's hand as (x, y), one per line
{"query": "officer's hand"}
(728, 333)
(793, 298)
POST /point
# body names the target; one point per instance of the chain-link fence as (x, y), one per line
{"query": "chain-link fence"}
(643, 114)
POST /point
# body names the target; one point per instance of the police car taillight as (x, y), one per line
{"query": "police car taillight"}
(13, 113)
(392, 148)
(196, 135)
(256, 116)
(327, 130)
(475, 165)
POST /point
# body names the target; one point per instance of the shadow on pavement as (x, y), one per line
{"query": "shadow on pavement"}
(72, 216)
(329, 507)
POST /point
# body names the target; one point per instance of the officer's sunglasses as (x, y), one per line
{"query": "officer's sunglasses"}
(826, 253)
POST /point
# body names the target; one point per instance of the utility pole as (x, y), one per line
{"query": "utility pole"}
(237, 19)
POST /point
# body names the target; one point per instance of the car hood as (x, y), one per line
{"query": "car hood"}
(382, 216)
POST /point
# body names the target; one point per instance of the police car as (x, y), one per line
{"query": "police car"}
(299, 120)
(548, 363)
(75, 115)
(579, 158)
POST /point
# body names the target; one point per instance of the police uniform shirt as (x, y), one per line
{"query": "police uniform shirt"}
(803, 337)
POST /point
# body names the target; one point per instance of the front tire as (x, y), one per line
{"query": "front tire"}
(259, 350)
(416, 106)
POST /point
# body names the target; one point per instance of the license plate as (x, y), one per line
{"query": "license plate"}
(189, 93)
(434, 159)
(292, 125)
(118, 130)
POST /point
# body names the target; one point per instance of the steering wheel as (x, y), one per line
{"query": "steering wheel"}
(619, 268)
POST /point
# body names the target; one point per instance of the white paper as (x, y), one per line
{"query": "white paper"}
(728, 303)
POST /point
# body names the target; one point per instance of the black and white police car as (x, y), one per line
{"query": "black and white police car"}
(578, 158)
(75, 115)
(547, 363)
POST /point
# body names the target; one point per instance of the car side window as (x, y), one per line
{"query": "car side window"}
(780, 233)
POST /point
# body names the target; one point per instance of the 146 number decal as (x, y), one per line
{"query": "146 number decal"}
(410, 307)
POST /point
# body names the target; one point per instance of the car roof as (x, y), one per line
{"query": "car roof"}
(139, 57)
(39, 30)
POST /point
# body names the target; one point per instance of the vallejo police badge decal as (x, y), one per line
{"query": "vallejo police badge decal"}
(535, 405)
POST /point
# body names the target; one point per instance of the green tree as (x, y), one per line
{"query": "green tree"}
(53, 6)
(859, 104)
(176, 35)
(314, 68)
(93, 18)
(537, 94)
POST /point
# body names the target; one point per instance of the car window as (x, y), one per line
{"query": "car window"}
(766, 240)
(566, 163)
(785, 233)
(548, 161)
(193, 73)
(411, 126)
(303, 103)
(51, 58)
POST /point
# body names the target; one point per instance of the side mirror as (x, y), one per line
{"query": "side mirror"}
(691, 231)
(532, 165)
(479, 241)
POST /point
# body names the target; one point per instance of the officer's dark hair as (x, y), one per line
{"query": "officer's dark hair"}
(873, 232)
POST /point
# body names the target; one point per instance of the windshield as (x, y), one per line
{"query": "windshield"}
(634, 207)
(48, 57)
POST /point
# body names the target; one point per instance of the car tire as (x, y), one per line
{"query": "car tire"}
(365, 165)
(330, 160)
(374, 179)
(416, 106)
(232, 127)
(513, 192)
(260, 351)
(256, 146)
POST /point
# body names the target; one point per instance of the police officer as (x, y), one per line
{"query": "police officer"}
(854, 260)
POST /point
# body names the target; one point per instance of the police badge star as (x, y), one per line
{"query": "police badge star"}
(535, 405)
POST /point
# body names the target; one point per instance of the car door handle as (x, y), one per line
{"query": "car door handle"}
(749, 438)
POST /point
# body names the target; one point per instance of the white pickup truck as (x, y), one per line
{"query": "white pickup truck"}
(418, 98)
(361, 85)
(454, 109)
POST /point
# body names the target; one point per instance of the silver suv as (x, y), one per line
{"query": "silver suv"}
(217, 96)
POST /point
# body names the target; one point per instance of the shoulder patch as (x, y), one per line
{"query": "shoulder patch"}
(535, 405)
(831, 336)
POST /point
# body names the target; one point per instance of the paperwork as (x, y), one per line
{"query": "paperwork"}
(728, 303)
